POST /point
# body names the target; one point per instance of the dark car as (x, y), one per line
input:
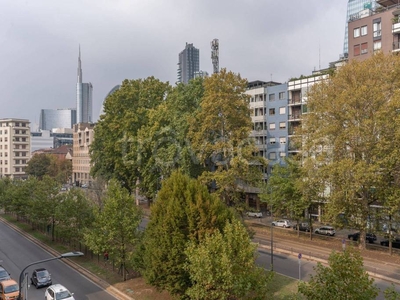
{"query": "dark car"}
(395, 243)
(41, 277)
(4, 275)
(302, 227)
(370, 237)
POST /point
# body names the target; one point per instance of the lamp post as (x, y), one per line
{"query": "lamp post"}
(64, 255)
(272, 241)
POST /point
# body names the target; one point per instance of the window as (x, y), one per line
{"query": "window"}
(364, 48)
(377, 29)
(282, 125)
(282, 140)
(272, 155)
(281, 95)
(271, 126)
(377, 45)
(6, 139)
(356, 50)
(356, 32)
(282, 110)
(271, 97)
(16, 169)
(282, 154)
(364, 30)
(272, 141)
(272, 111)
(5, 131)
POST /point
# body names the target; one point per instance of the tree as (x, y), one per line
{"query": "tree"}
(284, 190)
(116, 226)
(349, 136)
(344, 278)
(165, 146)
(38, 165)
(219, 133)
(184, 211)
(222, 266)
(115, 151)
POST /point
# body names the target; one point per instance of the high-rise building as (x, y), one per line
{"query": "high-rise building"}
(82, 138)
(14, 147)
(354, 7)
(57, 118)
(84, 93)
(189, 63)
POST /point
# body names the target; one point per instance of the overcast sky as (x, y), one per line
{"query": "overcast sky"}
(120, 39)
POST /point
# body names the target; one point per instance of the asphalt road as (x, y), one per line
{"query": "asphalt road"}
(16, 253)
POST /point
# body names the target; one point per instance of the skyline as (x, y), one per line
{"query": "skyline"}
(130, 39)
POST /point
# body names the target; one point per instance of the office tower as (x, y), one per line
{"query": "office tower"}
(57, 118)
(112, 91)
(189, 63)
(14, 147)
(353, 8)
(84, 93)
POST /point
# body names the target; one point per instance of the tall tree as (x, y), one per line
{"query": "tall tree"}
(38, 165)
(184, 211)
(349, 135)
(344, 278)
(116, 226)
(219, 133)
(283, 191)
(115, 151)
(232, 274)
(164, 138)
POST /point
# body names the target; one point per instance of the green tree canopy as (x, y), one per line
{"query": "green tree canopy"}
(184, 211)
(38, 165)
(116, 226)
(344, 278)
(349, 136)
(222, 266)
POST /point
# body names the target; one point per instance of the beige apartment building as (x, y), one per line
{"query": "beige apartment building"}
(14, 147)
(82, 138)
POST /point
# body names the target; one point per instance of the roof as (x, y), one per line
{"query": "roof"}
(58, 287)
(8, 282)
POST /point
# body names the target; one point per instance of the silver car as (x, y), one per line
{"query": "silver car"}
(282, 223)
(326, 230)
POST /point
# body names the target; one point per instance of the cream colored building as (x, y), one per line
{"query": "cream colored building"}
(15, 147)
(82, 138)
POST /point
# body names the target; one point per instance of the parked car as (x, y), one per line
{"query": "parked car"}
(370, 237)
(282, 223)
(58, 291)
(395, 243)
(326, 230)
(302, 227)
(41, 277)
(254, 214)
(4, 275)
(9, 289)
(84, 186)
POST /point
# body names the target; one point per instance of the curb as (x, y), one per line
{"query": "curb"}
(102, 283)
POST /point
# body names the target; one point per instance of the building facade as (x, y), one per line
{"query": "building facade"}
(57, 118)
(372, 31)
(14, 147)
(189, 63)
(84, 96)
(354, 7)
(55, 138)
(83, 137)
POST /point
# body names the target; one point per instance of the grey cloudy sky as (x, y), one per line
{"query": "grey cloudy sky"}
(260, 39)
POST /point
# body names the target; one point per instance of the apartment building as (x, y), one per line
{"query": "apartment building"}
(83, 134)
(374, 30)
(14, 147)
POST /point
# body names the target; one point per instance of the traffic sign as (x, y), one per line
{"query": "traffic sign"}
(299, 256)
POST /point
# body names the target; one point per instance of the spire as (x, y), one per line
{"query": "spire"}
(79, 66)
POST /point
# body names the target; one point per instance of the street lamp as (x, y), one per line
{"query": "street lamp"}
(64, 255)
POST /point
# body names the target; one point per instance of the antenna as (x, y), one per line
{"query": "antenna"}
(215, 55)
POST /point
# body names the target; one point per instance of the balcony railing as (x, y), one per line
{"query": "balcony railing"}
(396, 27)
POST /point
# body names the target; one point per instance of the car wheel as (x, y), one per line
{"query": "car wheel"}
(273, 224)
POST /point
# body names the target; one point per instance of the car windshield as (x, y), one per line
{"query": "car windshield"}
(11, 288)
(3, 273)
(42, 274)
(63, 295)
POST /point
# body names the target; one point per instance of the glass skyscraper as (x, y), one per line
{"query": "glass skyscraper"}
(57, 118)
(189, 63)
(354, 7)
(84, 94)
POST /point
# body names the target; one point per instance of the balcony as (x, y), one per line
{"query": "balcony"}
(396, 46)
(295, 117)
(294, 101)
(396, 27)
